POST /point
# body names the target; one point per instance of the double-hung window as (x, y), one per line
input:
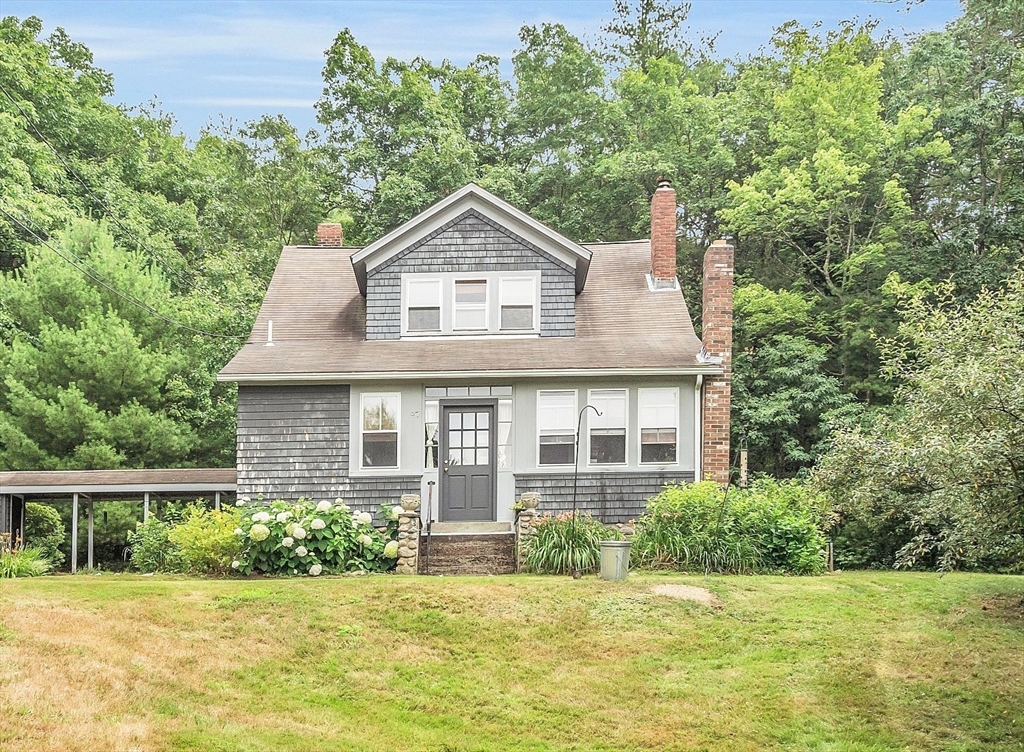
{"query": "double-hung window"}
(470, 310)
(518, 302)
(659, 425)
(423, 305)
(556, 423)
(607, 432)
(380, 430)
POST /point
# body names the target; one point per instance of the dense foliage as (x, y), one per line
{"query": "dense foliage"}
(564, 544)
(44, 530)
(308, 537)
(942, 471)
(773, 526)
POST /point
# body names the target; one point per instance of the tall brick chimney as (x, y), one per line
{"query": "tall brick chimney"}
(663, 235)
(716, 333)
(330, 235)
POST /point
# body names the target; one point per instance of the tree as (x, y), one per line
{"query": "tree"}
(949, 455)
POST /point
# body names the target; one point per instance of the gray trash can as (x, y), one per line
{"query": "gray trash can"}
(614, 559)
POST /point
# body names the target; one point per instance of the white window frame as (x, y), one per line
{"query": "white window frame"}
(640, 427)
(412, 279)
(474, 306)
(534, 302)
(575, 412)
(398, 431)
(590, 400)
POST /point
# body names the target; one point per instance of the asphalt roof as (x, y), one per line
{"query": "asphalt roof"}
(118, 481)
(319, 327)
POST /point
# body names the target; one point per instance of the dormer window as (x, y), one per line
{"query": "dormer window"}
(424, 305)
(461, 304)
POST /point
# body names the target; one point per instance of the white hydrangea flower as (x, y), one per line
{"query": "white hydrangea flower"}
(261, 517)
(298, 533)
(394, 512)
(315, 570)
(301, 551)
(365, 540)
(259, 532)
(317, 524)
(365, 518)
(239, 531)
(290, 528)
(324, 506)
(284, 516)
(342, 505)
(241, 501)
(287, 542)
(236, 564)
(391, 550)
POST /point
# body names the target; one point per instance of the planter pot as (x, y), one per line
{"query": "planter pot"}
(529, 500)
(410, 502)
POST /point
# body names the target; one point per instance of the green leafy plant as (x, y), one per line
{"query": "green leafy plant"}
(44, 530)
(562, 545)
(207, 539)
(771, 527)
(152, 549)
(21, 562)
(308, 537)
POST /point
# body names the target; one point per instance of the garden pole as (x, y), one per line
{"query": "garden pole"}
(74, 532)
(89, 516)
(145, 507)
(575, 477)
(216, 501)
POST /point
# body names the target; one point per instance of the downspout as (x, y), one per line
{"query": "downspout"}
(698, 422)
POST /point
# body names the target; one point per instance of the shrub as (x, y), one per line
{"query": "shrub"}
(207, 539)
(44, 529)
(562, 545)
(152, 549)
(21, 562)
(307, 537)
(772, 526)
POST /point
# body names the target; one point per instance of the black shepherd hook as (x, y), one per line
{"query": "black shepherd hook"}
(575, 477)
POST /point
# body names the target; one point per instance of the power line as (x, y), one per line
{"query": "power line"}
(110, 212)
(90, 272)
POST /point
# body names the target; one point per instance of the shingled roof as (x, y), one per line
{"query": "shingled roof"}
(319, 329)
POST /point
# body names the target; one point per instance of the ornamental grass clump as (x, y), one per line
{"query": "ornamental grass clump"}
(561, 546)
(311, 538)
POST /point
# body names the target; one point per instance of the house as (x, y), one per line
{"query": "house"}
(451, 358)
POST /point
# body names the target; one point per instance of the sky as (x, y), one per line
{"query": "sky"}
(206, 61)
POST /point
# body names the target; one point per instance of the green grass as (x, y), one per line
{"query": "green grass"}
(856, 661)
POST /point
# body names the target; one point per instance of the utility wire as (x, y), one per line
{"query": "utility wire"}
(91, 273)
(110, 212)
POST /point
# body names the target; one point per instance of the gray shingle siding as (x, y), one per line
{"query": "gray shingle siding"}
(611, 497)
(293, 441)
(471, 243)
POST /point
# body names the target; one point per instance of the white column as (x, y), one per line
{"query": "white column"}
(88, 510)
(74, 533)
(216, 501)
(145, 507)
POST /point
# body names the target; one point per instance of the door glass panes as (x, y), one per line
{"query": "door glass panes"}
(423, 301)
(380, 430)
(556, 416)
(659, 421)
(469, 437)
(504, 433)
(608, 430)
(470, 304)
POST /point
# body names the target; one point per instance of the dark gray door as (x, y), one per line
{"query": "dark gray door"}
(468, 463)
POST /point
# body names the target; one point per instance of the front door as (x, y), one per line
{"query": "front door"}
(468, 442)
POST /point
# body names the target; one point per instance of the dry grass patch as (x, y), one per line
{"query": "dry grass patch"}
(870, 661)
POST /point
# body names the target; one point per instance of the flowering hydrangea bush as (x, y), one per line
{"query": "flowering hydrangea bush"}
(312, 538)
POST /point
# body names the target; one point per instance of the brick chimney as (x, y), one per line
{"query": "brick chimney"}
(663, 235)
(716, 333)
(330, 235)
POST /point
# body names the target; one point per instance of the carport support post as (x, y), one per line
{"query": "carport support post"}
(216, 501)
(145, 507)
(88, 511)
(74, 533)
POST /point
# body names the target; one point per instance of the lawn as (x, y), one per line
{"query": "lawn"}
(854, 661)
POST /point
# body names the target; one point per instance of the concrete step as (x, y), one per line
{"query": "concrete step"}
(464, 553)
(470, 528)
